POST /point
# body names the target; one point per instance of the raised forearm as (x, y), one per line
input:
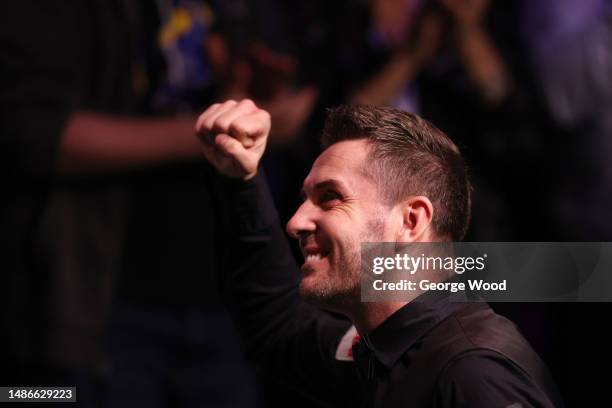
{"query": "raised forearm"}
(483, 63)
(386, 84)
(97, 143)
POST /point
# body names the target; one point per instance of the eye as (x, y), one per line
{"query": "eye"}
(329, 197)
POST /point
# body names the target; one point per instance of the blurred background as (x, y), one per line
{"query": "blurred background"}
(110, 242)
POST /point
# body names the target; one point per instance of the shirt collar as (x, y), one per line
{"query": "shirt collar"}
(400, 331)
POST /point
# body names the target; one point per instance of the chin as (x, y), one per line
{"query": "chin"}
(325, 296)
(314, 292)
(307, 289)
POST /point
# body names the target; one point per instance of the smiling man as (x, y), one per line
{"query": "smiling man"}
(332, 222)
(384, 176)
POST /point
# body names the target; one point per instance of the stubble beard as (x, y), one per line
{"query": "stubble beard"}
(341, 285)
(341, 289)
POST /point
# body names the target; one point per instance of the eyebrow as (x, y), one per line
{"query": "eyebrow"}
(325, 184)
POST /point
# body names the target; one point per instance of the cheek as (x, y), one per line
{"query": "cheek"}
(339, 224)
(327, 232)
(340, 234)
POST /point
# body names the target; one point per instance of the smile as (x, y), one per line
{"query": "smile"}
(313, 257)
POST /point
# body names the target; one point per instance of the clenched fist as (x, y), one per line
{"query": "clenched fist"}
(234, 136)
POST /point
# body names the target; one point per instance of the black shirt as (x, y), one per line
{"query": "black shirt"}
(434, 352)
(451, 353)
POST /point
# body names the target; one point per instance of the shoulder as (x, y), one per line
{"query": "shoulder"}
(486, 378)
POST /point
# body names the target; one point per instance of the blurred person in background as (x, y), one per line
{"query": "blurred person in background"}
(460, 64)
(570, 50)
(80, 142)
(171, 343)
(570, 45)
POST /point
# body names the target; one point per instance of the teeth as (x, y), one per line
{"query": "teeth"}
(313, 257)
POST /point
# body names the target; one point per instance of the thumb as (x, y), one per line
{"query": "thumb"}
(232, 148)
(229, 145)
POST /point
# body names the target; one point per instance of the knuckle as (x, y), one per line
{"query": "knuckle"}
(266, 118)
(210, 110)
(247, 102)
(208, 124)
(221, 124)
(265, 114)
(236, 127)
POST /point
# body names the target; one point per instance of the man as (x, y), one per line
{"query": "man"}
(384, 176)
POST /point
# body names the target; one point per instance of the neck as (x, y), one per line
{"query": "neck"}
(369, 315)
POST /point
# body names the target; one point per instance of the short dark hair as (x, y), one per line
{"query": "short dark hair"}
(408, 156)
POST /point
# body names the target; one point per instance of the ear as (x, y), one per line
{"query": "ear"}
(417, 214)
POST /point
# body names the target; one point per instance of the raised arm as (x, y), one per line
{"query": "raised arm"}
(292, 340)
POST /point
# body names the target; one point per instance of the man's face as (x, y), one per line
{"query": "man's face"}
(342, 208)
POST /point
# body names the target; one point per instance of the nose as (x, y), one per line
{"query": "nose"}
(302, 221)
